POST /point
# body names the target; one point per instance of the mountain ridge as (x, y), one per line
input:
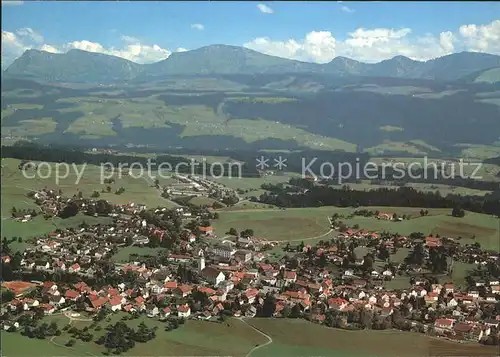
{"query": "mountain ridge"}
(83, 66)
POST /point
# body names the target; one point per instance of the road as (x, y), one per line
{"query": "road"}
(160, 191)
(269, 338)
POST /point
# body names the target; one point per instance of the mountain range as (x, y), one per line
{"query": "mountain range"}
(81, 66)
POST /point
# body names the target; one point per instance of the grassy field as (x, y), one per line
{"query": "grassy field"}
(275, 224)
(395, 146)
(300, 338)
(443, 189)
(292, 338)
(151, 112)
(486, 172)
(480, 151)
(302, 223)
(16, 186)
(194, 338)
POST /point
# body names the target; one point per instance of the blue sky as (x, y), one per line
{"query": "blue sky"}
(311, 31)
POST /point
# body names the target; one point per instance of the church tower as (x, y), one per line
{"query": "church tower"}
(201, 260)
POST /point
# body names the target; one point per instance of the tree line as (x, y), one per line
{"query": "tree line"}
(402, 197)
(51, 153)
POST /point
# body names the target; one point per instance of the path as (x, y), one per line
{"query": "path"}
(71, 319)
(306, 239)
(269, 338)
(317, 237)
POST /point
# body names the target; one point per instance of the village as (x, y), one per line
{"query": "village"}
(208, 275)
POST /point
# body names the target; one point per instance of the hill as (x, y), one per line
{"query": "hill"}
(255, 111)
(490, 75)
(73, 66)
(81, 66)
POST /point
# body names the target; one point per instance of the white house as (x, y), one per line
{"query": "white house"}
(183, 311)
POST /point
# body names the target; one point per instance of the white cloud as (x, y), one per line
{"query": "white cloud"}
(370, 45)
(28, 32)
(15, 43)
(483, 38)
(347, 9)
(199, 27)
(12, 3)
(133, 49)
(265, 9)
(49, 48)
(129, 39)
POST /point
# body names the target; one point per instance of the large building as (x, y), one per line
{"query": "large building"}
(212, 275)
(223, 251)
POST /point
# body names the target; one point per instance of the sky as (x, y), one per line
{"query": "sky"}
(146, 32)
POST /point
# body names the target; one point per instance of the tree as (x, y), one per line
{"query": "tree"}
(458, 212)
(232, 232)
(286, 311)
(269, 306)
(383, 253)
(70, 210)
(367, 263)
(95, 194)
(322, 260)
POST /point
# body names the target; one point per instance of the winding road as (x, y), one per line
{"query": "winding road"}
(269, 338)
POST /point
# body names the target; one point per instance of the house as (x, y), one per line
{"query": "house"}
(250, 295)
(6, 259)
(337, 304)
(442, 325)
(183, 290)
(29, 303)
(224, 251)
(71, 295)
(243, 255)
(449, 288)
(349, 272)
(251, 311)
(218, 309)
(178, 258)
(452, 303)
(129, 308)
(212, 275)
(98, 303)
(463, 329)
(183, 311)
(432, 242)
(290, 277)
(75, 268)
(42, 266)
(166, 312)
(490, 298)
(56, 300)
(115, 303)
(226, 285)
(473, 294)
(169, 286)
(152, 311)
(207, 231)
(387, 274)
(48, 309)
(359, 261)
